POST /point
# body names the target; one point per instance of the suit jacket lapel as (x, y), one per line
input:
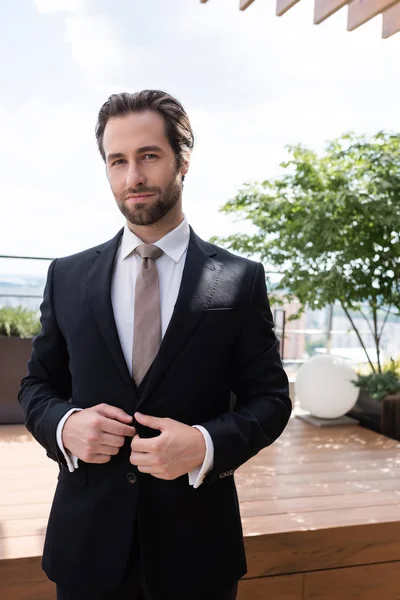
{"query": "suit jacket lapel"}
(199, 279)
(100, 270)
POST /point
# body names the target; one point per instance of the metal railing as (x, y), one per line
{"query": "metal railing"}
(283, 332)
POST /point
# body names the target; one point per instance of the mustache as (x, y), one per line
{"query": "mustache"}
(140, 190)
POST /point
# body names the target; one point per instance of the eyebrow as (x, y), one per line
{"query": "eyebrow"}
(117, 155)
(148, 149)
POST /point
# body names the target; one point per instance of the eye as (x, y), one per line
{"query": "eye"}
(119, 161)
(150, 156)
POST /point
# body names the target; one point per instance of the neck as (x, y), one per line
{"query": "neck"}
(150, 234)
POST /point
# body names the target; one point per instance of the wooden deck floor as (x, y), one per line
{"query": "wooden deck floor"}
(320, 511)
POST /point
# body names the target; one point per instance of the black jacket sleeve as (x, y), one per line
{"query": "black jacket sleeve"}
(260, 384)
(46, 390)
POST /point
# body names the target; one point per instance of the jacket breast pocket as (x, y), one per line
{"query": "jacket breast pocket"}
(77, 478)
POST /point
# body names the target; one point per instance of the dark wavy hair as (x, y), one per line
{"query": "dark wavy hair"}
(177, 125)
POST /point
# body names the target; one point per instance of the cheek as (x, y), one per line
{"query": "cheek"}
(116, 184)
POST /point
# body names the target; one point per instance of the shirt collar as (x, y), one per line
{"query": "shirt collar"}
(174, 244)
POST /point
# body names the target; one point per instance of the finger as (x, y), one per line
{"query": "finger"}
(151, 471)
(146, 445)
(108, 439)
(100, 459)
(113, 412)
(142, 459)
(106, 450)
(116, 428)
(149, 421)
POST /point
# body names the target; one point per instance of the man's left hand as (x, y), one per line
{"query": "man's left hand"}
(178, 449)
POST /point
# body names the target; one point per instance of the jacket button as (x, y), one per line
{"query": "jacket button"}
(131, 477)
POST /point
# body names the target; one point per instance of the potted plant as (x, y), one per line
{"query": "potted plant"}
(17, 327)
(378, 405)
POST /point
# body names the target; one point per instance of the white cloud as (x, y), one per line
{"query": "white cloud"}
(94, 41)
(95, 47)
(53, 6)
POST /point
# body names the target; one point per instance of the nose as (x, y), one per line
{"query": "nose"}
(134, 177)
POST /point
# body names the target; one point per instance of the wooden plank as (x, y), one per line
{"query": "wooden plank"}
(307, 463)
(391, 21)
(301, 478)
(309, 455)
(25, 511)
(298, 552)
(23, 527)
(283, 6)
(20, 547)
(18, 485)
(327, 519)
(361, 11)
(243, 4)
(288, 587)
(10, 570)
(315, 489)
(43, 590)
(325, 8)
(368, 582)
(21, 497)
(277, 506)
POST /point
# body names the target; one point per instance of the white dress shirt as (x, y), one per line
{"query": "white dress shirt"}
(126, 267)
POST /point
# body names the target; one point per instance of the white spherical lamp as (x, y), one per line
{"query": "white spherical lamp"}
(324, 387)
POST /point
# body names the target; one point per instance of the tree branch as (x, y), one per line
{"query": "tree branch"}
(384, 322)
(375, 334)
(368, 322)
(358, 336)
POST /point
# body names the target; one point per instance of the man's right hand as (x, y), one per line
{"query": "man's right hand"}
(96, 434)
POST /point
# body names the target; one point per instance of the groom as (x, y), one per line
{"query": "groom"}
(145, 339)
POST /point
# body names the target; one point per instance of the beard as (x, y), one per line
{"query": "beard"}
(148, 213)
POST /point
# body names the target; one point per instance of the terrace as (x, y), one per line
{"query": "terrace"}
(320, 511)
(319, 507)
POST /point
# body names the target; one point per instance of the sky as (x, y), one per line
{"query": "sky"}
(250, 82)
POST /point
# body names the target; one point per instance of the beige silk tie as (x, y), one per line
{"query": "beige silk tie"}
(147, 314)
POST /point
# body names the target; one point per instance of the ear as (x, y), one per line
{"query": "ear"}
(185, 165)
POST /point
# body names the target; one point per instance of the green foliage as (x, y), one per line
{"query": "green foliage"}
(331, 225)
(18, 322)
(379, 385)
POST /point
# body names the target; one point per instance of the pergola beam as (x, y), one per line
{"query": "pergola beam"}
(243, 4)
(325, 8)
(283, 6)
(361, 11)
(391, 21)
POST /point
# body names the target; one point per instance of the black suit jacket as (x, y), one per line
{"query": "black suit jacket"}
(219, 341)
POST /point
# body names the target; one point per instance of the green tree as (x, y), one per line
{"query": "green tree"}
(331, 225)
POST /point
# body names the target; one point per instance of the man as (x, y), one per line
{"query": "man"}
(145, 339)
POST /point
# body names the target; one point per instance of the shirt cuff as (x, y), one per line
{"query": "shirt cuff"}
(197, 475)
(70, 459)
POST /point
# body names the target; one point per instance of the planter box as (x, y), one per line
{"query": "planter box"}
(390, 419)
(382, 416)
(14, 356)
(367, 411)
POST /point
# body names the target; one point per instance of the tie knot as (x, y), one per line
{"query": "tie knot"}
(149, 251)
